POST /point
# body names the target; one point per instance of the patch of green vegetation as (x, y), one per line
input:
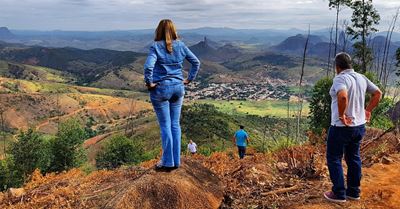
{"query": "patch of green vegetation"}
(24, 86)
(118, 151)
(5, 141)
(276, 108)
(213, 130)
(3, 66)
(30, 72)
(51, 74)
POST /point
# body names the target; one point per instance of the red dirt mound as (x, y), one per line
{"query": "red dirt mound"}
(191, 186)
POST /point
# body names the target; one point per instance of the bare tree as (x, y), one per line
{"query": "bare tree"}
(129, 122)
(288, 116)
(300, 96)
(346, 36)
(3, 131)
(330, 52)
(383, 75)
(58, 108)
(338, 5)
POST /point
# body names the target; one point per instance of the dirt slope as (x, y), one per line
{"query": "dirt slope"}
(191, 186)
(294, 177)
(380, 189)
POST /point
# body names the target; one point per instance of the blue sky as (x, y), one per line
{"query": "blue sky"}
(91, 15)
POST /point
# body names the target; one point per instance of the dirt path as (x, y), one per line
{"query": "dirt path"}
(380, 188)
(94, 140)
(101, 108)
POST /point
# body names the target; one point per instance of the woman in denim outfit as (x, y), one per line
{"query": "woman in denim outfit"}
(163, 74)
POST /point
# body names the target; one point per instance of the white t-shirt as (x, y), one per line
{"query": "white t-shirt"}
(356, 85)
(192, 147)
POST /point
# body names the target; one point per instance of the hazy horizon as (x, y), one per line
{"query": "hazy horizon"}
(111, 15)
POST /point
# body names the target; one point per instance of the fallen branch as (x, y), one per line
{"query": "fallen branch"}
(235, 171)
(366, 145)
(281, 191)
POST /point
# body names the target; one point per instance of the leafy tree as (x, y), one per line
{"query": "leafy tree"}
(4, 175)
(67, 146)
(88, 127)
(338, 5)
(8, 176)
(320, 105)
(120, 150)
(204, 121)
(379, 119)
(29, 152)
(364, 18)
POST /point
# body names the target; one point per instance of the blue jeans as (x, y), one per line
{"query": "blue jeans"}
(167, 99)
(242, 151)
(345, 141)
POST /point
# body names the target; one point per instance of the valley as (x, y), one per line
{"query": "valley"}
(255, 130)
(41, 86)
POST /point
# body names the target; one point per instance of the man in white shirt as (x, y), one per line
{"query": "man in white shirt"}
(348, 119)
(192, 147)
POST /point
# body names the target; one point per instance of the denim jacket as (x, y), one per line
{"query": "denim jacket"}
(161, 65)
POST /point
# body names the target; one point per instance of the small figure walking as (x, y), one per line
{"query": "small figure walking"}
(192, 147)
(241, 139)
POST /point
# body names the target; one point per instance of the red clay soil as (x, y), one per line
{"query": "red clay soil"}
(191, 186)
(380, 188)
(295, 177)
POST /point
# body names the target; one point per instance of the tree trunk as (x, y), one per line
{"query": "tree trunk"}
(329, 53)
(3, 133)
(300, 85)
(364, 39)
(337, 26)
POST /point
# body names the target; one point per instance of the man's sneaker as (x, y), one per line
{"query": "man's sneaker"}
(353, 197)
(333, 198)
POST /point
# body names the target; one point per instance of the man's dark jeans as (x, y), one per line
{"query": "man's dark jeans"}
(345, 140)
(242, 151)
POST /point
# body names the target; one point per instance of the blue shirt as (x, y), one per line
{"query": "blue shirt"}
(241, 138)
(161, 65)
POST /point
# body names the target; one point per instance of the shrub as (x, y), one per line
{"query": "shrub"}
(8, 177)
(67, 146)
(206, 151)
(379, 119)
(203, 122)
(119, 150)
(320, 106)
(29, 152)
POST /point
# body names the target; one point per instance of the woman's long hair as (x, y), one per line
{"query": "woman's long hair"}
(166, 31)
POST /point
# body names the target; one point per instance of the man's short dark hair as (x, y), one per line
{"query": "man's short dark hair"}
(343, 61)
(241, 127)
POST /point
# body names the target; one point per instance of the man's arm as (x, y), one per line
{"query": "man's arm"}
(375, 99)
(343, 101)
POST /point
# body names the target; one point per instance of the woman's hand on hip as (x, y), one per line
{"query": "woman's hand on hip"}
(151, 86)
(186, 82)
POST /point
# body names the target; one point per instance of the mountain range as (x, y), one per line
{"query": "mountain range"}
(231, 58)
